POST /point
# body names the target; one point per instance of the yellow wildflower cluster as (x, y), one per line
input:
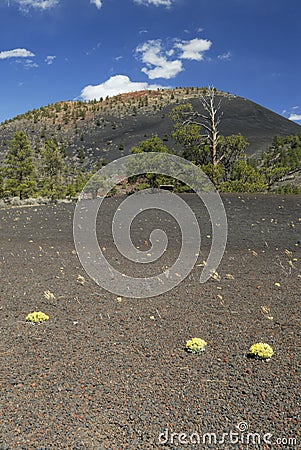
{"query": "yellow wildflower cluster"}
(261, 351)
(195, 345)
(37, 317)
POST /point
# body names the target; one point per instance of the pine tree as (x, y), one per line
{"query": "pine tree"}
(52, 169)
(19, 169)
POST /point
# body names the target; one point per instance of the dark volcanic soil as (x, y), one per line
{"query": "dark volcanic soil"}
(111, 373)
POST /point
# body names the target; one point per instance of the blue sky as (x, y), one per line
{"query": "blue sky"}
(52, 50)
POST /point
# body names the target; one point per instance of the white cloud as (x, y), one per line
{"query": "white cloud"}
(47, 4)
(97, 3)
(154, 2)
(170, 52)
(292, 113)
(225, 56)
(38, 4)
(295, 117)
(167, 70)
(157, 64)
(193, 49)
(29, 64)
(16, 53)
(115, 85)
(50, 59)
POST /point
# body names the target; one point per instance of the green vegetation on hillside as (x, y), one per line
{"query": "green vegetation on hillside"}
(44, 173)
(281, 161)
(50, 153)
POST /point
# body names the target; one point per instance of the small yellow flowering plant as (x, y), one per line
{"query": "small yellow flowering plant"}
(195, 345)
(261, 350)
(37, 317)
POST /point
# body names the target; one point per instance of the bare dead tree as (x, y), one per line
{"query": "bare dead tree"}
(211, 120)
(198, 132)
